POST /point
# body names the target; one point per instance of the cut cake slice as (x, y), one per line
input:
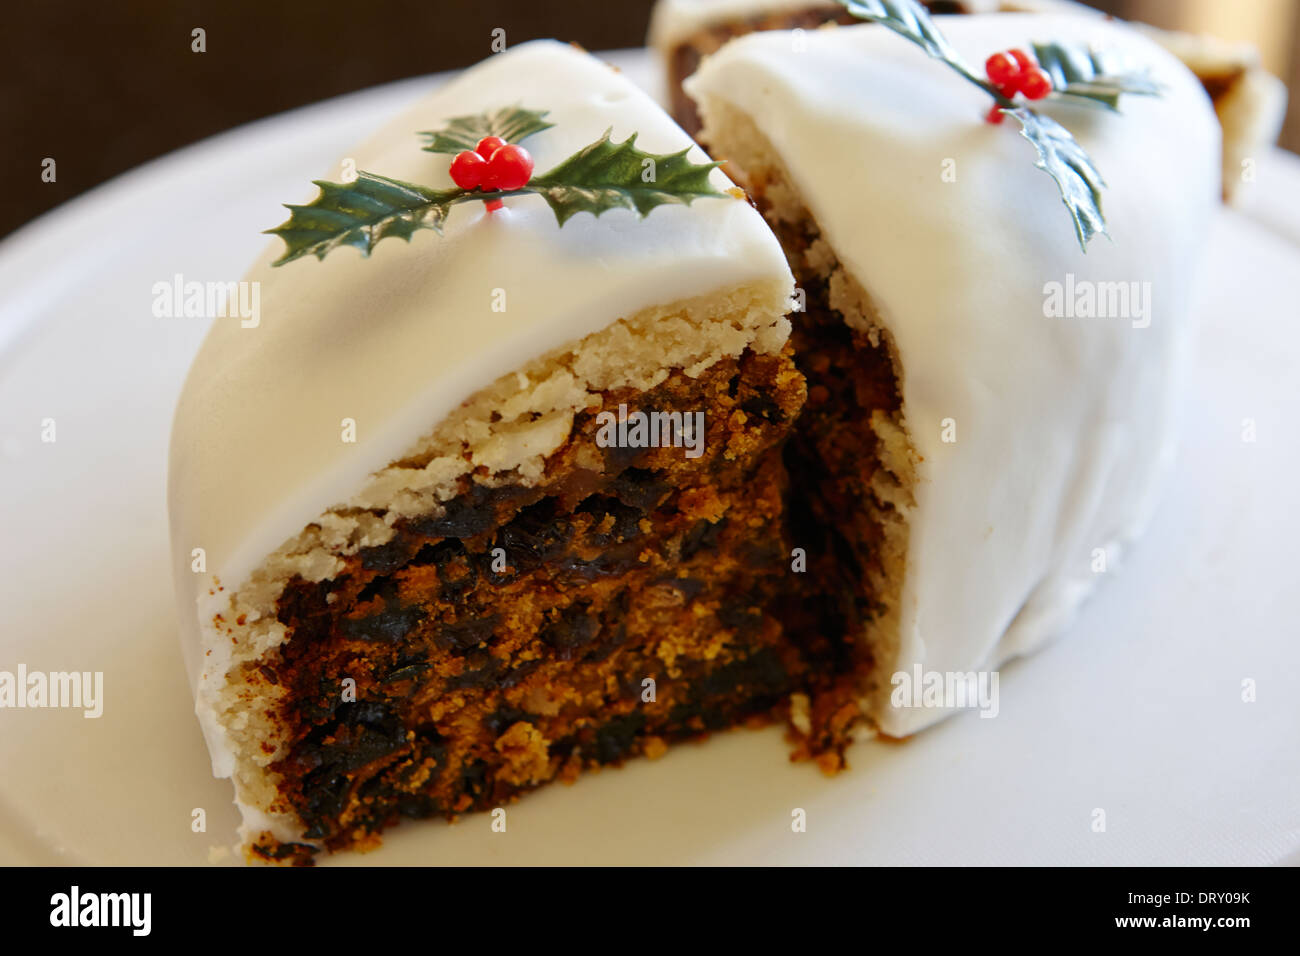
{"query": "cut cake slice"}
(415, 579)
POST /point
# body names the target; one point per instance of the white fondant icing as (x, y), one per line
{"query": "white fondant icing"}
(1063, 425)
(397, 341)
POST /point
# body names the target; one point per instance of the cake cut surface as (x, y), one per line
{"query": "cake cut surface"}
(529, 631)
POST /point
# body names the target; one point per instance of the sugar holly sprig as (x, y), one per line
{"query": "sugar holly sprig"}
(1054, 70)
(475, 140)
(601, 176)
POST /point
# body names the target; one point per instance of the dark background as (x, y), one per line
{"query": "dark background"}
(104, 85)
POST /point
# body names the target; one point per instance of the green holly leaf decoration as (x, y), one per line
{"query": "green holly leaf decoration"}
(1062, 158)
(511, 123)
(608, 175)
(602, 176)
(1087, 75)
(361, 213)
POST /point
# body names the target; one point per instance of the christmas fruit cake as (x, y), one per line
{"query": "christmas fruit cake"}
(496, 504)
(1249, 101)
(991, 393)
(552, 482)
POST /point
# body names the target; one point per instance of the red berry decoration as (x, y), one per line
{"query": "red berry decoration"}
(1023, 60)
(492, 165)
(509, 168)
(1012, 72)
(489, 145)
(467, 169)
(1036, 84)
(1001, 70)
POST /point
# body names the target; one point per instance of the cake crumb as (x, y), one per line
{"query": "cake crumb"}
(526, 752)
(830, 762)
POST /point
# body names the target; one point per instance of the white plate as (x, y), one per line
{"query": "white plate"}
(1137, 711)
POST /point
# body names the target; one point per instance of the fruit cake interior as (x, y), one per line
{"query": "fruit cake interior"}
(526, 630)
